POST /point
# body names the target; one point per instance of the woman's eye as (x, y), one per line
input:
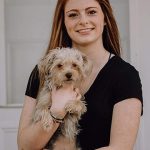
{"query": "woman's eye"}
(92, 12)
(73, 15)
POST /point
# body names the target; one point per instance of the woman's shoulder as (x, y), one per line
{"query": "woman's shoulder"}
(123, 67)
(35, 70)
(33, 83)
(127, 82)
(34, 75)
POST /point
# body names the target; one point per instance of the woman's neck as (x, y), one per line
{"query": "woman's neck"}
(96, 52)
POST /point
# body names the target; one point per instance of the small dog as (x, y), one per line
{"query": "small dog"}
(59, 66)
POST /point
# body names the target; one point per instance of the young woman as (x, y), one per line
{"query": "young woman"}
(112, 91)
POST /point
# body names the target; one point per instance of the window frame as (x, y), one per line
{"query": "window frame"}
(3, 97)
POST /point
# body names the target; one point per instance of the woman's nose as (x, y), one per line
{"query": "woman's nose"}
(83, 19)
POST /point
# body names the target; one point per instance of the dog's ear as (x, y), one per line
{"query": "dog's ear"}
(45, 63)
(87, 65)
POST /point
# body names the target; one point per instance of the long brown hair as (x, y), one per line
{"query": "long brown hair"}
(60, 37)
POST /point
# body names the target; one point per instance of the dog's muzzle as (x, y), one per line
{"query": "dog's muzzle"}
(68, 76)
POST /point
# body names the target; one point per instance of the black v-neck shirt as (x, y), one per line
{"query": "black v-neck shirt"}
(117, 81)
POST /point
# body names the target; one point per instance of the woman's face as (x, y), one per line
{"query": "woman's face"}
(84, 21)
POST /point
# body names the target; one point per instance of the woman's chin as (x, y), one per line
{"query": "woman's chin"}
(85, 42)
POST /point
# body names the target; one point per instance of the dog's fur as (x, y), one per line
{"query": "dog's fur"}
(59, 66)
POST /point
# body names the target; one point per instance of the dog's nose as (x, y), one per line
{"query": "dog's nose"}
(69, 75)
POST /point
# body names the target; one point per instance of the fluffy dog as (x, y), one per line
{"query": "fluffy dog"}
(59, 66)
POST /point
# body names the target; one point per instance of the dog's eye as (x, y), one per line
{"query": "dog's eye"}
(59, 65)
(74, 65)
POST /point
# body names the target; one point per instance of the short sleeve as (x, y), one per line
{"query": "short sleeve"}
(128, 85)
(33, 83)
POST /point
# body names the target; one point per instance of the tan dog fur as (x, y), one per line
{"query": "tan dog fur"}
(59, 66)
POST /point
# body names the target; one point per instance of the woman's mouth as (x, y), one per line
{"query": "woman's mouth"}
(85, 31)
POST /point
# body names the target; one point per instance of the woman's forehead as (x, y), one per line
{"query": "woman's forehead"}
(80, 4)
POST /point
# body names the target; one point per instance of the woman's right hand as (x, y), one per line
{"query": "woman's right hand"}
(60, 97)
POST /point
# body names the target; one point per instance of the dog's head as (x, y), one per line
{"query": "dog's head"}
(65, 65)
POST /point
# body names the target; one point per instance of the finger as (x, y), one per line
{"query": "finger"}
(77, 90)
(79, 96)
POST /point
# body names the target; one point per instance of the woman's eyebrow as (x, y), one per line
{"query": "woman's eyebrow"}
(83, 9)
(71, 10)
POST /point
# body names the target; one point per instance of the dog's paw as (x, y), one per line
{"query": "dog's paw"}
(76, 107)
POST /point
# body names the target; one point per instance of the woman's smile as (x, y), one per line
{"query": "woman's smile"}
(85, 31)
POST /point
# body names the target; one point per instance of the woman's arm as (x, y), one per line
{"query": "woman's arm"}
(32, 136)
(125, 124)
